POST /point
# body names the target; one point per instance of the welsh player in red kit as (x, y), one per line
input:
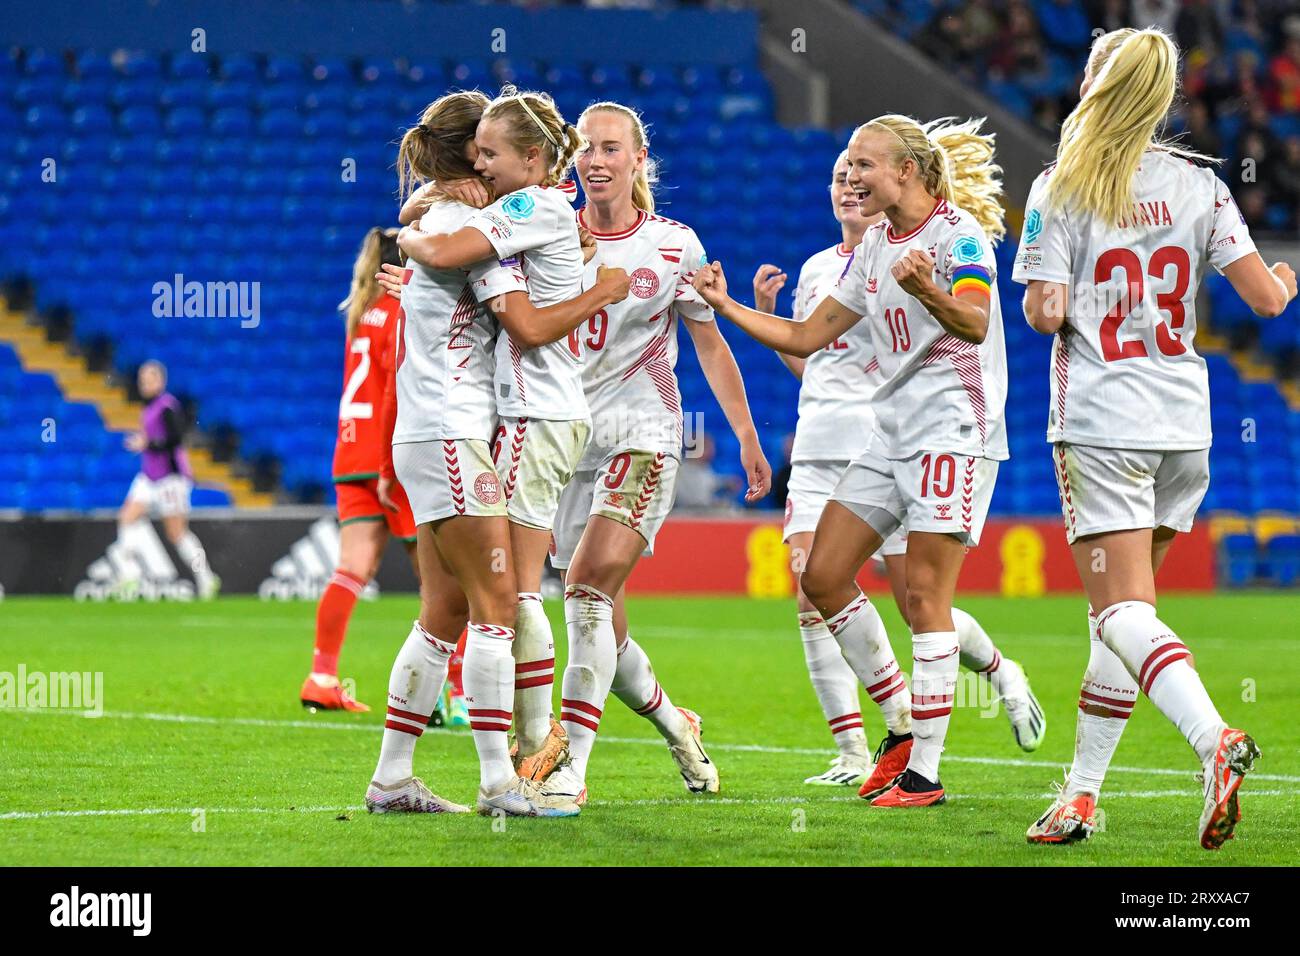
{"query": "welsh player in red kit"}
(371, 504)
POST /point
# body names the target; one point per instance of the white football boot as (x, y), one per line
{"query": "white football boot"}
(1067, 820)
(564, 783)
(846, 770)
(408, 796)
(1028, 722)
(698, 772)
(523, 798)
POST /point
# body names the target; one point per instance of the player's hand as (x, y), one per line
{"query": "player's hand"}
(757, 471)
(768, 281)
(472, 192)
(711, 284)
(383, 491)
(914, 273)
(615, 282)
(391, 279)
(135, 442)
(1287, 275)
(588, 242)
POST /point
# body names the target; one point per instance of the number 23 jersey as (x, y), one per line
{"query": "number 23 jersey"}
(937, 392)
(1125, 373)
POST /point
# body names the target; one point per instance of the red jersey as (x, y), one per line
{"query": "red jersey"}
(368, 407)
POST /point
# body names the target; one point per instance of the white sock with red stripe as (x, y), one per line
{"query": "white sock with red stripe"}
(935, 661)
(1162, 665)
(413, 688)
(635, 685)
(489, 680)
(534, 651)
(978, 652)
(1107, 687)
(593, 658)
(834, 683)
(861, 635)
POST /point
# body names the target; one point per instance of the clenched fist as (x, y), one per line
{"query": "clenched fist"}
(615, 281)
(914, 273)
(711, 284)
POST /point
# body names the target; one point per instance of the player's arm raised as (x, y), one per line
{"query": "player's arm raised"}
(768, 281)
(530, 327)
(1045, 305)
(964, 315)
(828, 322)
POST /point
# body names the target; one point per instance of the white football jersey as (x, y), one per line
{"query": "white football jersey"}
(533, 229)
(835, 394)
(1125, 373)
(629, 349)
(937, 393)
(445, 363)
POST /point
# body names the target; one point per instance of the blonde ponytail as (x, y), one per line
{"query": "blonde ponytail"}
(645, 178)
(955, 163)
(1134, 74)
(379, 246)
(532, 120)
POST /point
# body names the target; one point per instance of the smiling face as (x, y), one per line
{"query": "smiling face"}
(844, 199)
(877, 182)
(501, 163)
(611, 161)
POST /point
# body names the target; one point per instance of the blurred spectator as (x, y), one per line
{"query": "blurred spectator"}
(699, 487)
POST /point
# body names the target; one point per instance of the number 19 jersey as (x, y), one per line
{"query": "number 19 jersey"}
(1125, 373)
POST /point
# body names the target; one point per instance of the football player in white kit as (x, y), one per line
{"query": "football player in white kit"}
(924, 278)
(612, 510)
(1117, 235)
(837, 383)
(441, 452)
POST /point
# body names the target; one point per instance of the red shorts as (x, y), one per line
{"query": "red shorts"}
(359, 501)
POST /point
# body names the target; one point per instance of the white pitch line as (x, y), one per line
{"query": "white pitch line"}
(651, 802)
(327, 724)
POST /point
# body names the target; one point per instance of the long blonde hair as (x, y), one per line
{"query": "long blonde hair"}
(379, 246)
(532, 120)
(645, 178)
(1134, 77)
(954, 161)
(434, 150)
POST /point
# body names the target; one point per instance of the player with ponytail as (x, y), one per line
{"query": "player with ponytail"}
(1117, 235)
(924, 279)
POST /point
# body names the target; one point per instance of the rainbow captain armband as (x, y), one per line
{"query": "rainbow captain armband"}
(971, 278)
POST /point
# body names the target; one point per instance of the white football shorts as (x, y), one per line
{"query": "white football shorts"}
(1116, 489)
(447, 477)
(938, 492)
(634, 488)
(165, 497)
(811, 484)
(536, 459)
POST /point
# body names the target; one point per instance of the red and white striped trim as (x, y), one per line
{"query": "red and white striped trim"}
(580, 592)
(441, 647)
(534, 673)
(493, 630)
(656, 698)
(455, 484)
(845, 722)
(968, 495)
(1067, 498)
(481, 718)
(627, 233)
(516, 363)
(516, 453)
(580, 712)
(842, 618)
(1117, 707)
(890, 684)
(810, 619)
(348, 582)
(649, 485)
(939, 205)
(1061, 368)
(994, 665)
(930, 706)
(408, 722)
(1164, 655)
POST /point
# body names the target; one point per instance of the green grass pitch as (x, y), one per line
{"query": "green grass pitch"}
(201, 712)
